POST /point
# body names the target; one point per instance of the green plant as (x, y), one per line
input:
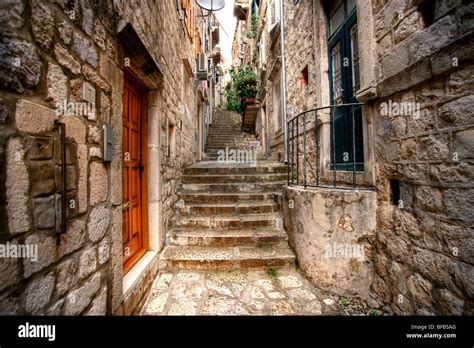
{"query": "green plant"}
(272, 273)
(245, 82)
(232, 102)
(253, 30)
(374, 312)
(344, 301)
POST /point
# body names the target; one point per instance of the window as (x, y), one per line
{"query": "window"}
(304, 78)
(427, 10)
(277, 113)
(273, 14)
(188, 20)
(345, 81)
(171, 140)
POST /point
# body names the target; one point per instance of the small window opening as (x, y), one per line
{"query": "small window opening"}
(395, 191)
(171, 140)
(304, 77)
(427, 10)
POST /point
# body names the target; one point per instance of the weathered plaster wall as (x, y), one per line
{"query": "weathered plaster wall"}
(332, 233)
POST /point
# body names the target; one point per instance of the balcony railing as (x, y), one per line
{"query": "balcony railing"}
(341, 165)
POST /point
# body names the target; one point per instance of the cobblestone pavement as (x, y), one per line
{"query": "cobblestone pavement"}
(244, 292)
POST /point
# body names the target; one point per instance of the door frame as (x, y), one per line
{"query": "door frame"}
(131, 79)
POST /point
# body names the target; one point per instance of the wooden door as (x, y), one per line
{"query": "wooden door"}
(133, 174)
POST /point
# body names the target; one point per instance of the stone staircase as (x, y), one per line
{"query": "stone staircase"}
(226, 132)
(227, 213)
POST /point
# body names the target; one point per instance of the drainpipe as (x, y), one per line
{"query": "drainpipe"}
(283, 78)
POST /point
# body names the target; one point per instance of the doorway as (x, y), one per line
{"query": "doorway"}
(134, 164)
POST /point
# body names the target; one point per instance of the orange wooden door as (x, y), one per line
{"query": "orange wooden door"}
(133, 230)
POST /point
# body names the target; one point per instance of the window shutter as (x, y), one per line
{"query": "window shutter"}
(273, 14)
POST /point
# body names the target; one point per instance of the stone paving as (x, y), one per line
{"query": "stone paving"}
(243, 292)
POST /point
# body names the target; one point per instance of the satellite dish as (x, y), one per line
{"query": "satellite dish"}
(211, 5)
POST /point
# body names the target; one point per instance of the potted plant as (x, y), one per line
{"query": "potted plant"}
(245, 82)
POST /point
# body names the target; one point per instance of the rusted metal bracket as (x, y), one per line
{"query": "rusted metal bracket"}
(62, 129)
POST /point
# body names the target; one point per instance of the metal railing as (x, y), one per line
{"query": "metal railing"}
(304, 149)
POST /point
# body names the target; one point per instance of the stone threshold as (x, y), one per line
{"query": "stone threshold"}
(138, 281)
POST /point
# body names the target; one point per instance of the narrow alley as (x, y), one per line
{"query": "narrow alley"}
(236, 157)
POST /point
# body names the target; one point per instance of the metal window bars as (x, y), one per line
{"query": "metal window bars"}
(304, 158)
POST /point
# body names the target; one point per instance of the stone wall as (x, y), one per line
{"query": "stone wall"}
(49, 51)
(416, 56)
(425, 240)
(332, 233)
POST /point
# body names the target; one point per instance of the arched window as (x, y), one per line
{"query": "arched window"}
(344, 77)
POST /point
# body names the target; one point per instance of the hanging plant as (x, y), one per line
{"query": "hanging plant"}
(253, 30)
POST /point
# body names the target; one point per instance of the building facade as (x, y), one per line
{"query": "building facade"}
(101, 103)
(383, 90)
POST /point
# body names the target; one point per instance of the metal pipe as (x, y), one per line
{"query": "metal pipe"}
(292, 150)
(304, 148)
(333, 139)
(62, 128)
(316, 135)
(353, 150)
(297, 151)
(283, 76)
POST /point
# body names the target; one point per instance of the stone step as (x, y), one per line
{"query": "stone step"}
(228, 221)
(200, 237)
(232, 178)
(235, 187)
(193, 197)
(200, 257)
(237, 168)
(231, 208)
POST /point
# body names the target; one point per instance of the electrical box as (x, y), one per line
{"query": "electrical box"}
(108, 143)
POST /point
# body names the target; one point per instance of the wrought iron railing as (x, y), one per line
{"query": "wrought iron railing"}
(305, 165)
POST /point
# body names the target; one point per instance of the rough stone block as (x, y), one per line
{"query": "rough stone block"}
(67, 60)
(75, 129)
(73, 239)
(17, 187)
(8, 272)
(98, 183)
(57, 85)
(46, 245)
(82, 162)
(11, 14)
(42, 178)
(65, 32)
(40, 148)
(23, 70)
(98, 223)
(79, 299)
(42, 23)
(99, 304)
(34, 118)
(44, 212)
(65, 276)
(38, 293)
(87, 262)
(85, 49)
(104, 251)
(457, 112)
